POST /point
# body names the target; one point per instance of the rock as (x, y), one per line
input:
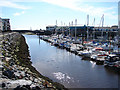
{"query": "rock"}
(31, 78)
(41, 86)
(35, 80)
(12, 63)
(15, 83)
(1, 68)
(9, 74)
(33, 85)
(17, 74)
(27, 87)
(20, 88)
(3, 85)
(18, 64)
(23, 68)
(26, 78)
(38, 88)
(7, 59)
(22, 73)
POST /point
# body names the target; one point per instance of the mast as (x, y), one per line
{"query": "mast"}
(93, 22)
(56, 22)
(75, 29)
(87, 27)
(62, 27)
(72, 23)
(69, 28)
(94, 29)
(31, 28)
(56, 27)
(102, 21)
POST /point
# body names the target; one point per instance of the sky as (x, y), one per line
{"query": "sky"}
(37, 14)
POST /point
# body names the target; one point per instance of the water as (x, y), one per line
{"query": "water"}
(67, 68)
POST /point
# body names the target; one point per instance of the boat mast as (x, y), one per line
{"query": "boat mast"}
(31, 28)
(102, 21)
(62, 27)
(72, 23)
(69, 29)
(87, 27)
(56, 27)
(94, 29)
(75, 29)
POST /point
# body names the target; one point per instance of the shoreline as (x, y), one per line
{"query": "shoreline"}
(17, 68)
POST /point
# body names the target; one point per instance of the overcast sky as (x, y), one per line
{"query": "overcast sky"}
(38, 14)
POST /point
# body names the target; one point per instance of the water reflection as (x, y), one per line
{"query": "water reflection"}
(67, 68)
(62, 77)
(93, 64)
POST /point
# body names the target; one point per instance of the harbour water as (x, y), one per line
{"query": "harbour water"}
(67, 68)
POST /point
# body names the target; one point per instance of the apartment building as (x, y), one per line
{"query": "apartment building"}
(4, 24)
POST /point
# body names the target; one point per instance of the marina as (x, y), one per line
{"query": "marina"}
(96, 51)
(60, 45)
(69, 66)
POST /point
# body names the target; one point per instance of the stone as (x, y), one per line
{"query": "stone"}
(33, 85)
(31, 78)
(27, 87)
(9, 73)
(17, 74)
(7, 59)
(35, 80)
(37, 88)
(3, 85)
(1, 68)
(22, 73)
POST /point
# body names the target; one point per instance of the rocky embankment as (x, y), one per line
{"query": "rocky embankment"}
(16, 70)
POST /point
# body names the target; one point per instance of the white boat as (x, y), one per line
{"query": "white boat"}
(112, 60)
(99, 56)
(85, 53)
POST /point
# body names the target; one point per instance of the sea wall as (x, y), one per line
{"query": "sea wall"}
(16, 70)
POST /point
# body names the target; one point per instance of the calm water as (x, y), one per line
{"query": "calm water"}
(67, 68)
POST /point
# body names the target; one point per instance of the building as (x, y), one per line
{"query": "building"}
(80, 30)
(51, 28)
(4, 24)
(119, 22)
(1, 25)
(119, 17)
(119, 14)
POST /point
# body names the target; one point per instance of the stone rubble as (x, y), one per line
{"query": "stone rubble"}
(13, 73)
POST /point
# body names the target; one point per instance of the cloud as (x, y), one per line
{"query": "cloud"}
(18, 14)
(6, 3)
(65, 0)
(79, 5)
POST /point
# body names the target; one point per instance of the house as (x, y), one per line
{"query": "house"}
(4, 24)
